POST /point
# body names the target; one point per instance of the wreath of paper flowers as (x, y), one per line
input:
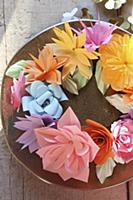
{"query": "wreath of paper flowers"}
(65, 146)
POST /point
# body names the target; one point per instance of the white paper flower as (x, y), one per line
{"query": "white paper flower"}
(70, 15)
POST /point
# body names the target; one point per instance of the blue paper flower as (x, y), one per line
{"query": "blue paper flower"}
(44, 99)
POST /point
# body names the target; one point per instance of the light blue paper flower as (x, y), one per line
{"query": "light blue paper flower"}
(44, 99)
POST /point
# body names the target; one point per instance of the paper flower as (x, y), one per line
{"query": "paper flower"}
(44, 99)
(98, 34)
(122, 131)
(102, 137)
(28, 124)
(18, 90)
(114, 4)
(68, 44)
(69, 15)
(46, 67)
(117, 62)
(67, 150)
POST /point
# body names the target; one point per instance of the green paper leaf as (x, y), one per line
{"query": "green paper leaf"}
(98, 76)
(70, 85)
(105, 170)
(80, 80)
(14, 70)
(125, 25)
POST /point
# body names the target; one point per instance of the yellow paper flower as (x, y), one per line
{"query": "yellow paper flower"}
(117, 62)
(68, 44)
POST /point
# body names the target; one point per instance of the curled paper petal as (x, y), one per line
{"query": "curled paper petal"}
(28, 124)
(66, 150)
(44, 99)
(58, 92)
(105, 170)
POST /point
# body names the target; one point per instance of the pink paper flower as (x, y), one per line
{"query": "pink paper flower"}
(28, 124)
(98, 34)
(122, 131)
(66, 150)
(18, 90)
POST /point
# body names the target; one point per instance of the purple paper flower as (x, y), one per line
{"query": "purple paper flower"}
(28, 124)
(98, 34)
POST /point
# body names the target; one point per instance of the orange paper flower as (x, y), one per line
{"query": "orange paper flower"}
(102, 137)
(117, 62)
(68, 44)
(45, 67)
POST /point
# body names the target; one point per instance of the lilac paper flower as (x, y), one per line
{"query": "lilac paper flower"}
(28, 124)
(44, 99)
(98, 34)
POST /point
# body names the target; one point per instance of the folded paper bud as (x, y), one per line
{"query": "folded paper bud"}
(66, 150)
(44, 99)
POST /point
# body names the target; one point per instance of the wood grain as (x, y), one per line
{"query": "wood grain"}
(22, 19)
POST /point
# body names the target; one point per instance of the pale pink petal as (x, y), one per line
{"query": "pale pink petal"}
(68, 118)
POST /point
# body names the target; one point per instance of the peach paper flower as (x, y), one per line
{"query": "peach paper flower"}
(66, 150)
(68, 44)
(102, 137)
(45, 67)
(117, 62)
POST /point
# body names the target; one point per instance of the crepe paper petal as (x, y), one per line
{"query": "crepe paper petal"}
(14, 70)
(18, 91)
(37, 88)
(66, 150)
(58, 92)
(98, 76)
(72, 47)
(45, 67)
(70, 85)
(25, 102)
(34, 108)
(116, 100)
(44, 99)
(67, 16)
(80, 80)
(106, 170)
(68, 118)
(28, 124)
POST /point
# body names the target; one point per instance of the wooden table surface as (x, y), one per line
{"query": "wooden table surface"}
(20, 20)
